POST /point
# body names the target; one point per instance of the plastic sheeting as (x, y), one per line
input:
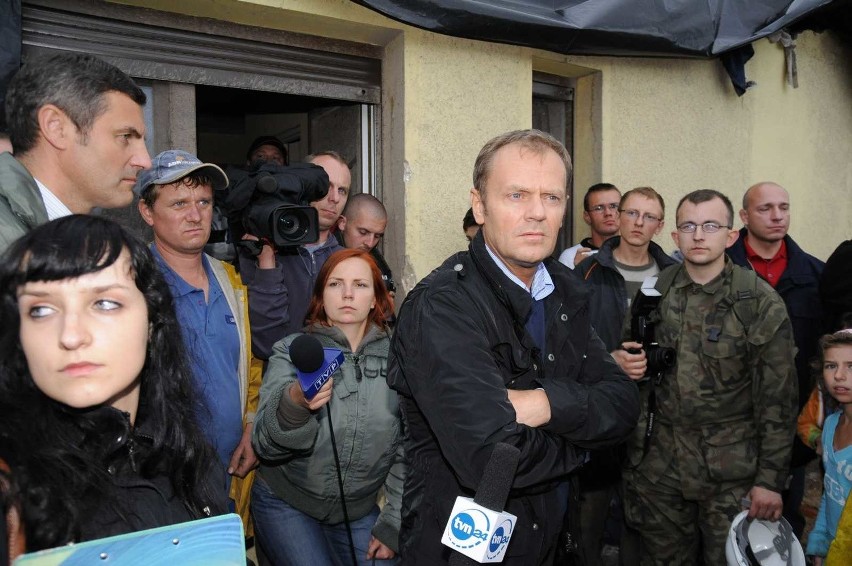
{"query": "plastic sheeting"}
(679, 28)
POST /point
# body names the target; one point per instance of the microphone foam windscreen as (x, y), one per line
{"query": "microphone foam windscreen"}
(306, 353)
(498, 476)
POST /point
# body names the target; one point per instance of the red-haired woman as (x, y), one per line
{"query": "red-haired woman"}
(296, 503)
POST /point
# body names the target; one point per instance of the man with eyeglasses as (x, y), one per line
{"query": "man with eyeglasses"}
(717, 426)
(621, 265)
(765, 247)
(600, 212)
(616, 273)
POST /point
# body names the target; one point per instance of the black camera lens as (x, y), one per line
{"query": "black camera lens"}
(292, 225)
(660, 358)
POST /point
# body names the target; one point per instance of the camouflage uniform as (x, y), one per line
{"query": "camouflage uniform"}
(725, 418)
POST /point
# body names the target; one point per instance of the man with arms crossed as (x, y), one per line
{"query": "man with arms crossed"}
(725, 414)
(495, 346)
(79, 136)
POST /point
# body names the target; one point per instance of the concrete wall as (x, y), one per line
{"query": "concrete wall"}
(673, 124)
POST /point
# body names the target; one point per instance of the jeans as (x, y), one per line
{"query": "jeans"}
(289, 537)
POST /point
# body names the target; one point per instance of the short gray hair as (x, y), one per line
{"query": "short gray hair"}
(533, 140)
(76, 83)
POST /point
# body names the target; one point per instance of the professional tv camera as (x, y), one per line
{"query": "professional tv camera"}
(272, 202)
(642, 330)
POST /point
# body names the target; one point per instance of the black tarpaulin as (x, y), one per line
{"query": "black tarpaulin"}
(681, 28)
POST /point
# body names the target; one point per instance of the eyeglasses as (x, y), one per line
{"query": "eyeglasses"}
(707, 227)
(634, 215)
(612, 207)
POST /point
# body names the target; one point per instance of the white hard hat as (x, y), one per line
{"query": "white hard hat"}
(762, 543)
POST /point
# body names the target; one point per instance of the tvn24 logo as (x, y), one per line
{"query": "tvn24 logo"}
(471, 527)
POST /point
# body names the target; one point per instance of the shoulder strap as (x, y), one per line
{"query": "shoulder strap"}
(14, 526)
(743, 299)
(665, 279)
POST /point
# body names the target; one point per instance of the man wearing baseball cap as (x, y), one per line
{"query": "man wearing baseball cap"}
(175, 199)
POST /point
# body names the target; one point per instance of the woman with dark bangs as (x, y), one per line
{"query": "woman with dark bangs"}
(96, 412)
(296, 499)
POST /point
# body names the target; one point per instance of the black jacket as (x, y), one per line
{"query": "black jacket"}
(835, 286)
(140, 499)
(138, 494)
(608, 300)
(799, 288)
(459, 345)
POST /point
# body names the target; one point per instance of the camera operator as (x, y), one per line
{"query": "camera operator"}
(267, 149)
(281, 280)
(718, 427)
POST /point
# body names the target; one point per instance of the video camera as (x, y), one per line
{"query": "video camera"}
(659, 357)
(272, 202)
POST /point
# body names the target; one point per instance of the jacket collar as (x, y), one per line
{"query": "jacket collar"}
(20, 190)
(604, 255)
(682, 279)
(606, 258)
(518, 300)
(330, 242)
(797, 258)
(107, 431)
(333, 334)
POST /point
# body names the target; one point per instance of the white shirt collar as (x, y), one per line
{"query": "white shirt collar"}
(542, 284)
(55, 208)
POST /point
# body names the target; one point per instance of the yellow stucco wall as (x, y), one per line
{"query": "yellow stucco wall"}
(673, 124)
(677, 125)
(456, 100)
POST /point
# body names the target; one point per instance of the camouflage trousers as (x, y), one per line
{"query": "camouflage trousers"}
(674, 530)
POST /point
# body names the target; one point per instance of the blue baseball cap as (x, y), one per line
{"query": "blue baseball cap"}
(173, 165)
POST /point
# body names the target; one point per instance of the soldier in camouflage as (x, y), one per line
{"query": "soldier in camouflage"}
(724, 415)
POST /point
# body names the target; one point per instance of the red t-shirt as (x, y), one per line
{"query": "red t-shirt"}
(770, 269)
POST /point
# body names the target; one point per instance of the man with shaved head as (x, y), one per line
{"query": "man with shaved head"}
(765, 247)
(362, 226)
(363, 222)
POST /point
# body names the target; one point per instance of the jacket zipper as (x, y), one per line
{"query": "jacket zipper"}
(357, 360)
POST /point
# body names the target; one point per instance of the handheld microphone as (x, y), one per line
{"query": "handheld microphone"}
(314, 364)
(478, 529)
